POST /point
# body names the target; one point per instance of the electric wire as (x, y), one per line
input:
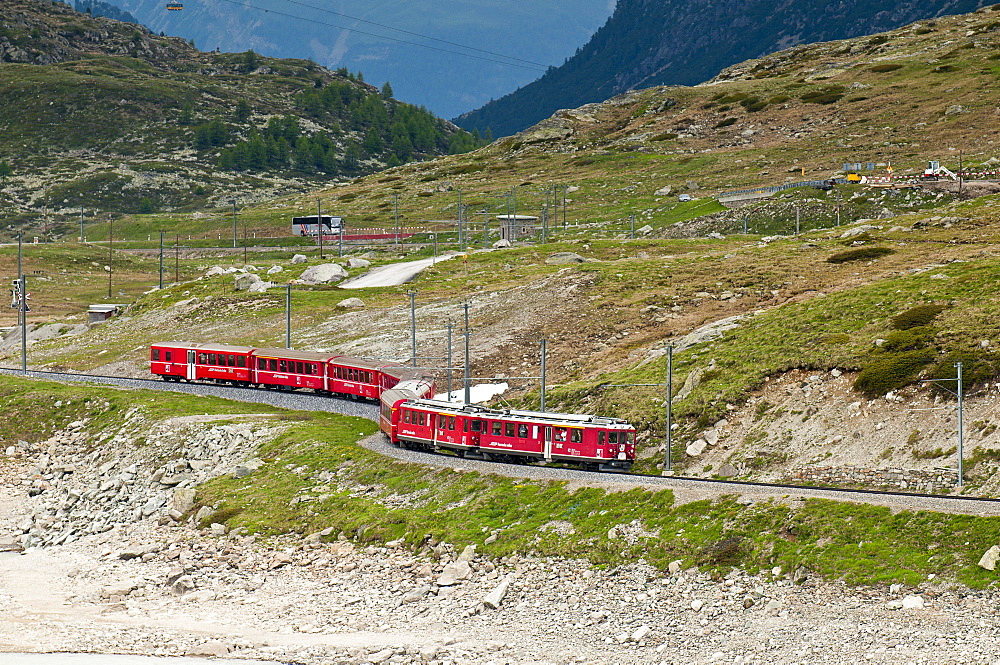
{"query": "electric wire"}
(533, 67)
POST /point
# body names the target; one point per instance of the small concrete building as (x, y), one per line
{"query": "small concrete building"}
(515, 227)
(101, 313)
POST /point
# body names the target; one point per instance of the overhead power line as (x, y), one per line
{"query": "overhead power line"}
(507, 60)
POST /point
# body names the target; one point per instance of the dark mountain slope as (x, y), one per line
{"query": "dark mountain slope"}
(650, 42)
(99, 113)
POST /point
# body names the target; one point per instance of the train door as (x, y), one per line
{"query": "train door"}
(547, 451)
(191, 371)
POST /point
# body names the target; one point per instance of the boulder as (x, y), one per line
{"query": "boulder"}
(494, 598)
(299, 258)
(323, 274)
(355, 262)
(245, 280)
(414, 595)
(454, 572)
(215, 271)
(857, 230)
(351, 303)
(563, 258)
(260, 286)
(727, 471)
(645, 230)
(183, 499)
(468, 554)
(664, 191)
(990, 557)
(501, 244)
(118, 589)
(696, 448)
(913, 603)
(273, 270)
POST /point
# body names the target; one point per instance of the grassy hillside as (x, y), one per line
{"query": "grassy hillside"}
(818, 301)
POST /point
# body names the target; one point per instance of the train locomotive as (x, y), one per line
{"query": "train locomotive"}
(281, 369)
(596, 443)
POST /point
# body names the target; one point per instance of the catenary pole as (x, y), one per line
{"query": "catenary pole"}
(449, 360)
(961, 433)
(468, 399)
(542, 391)
(161, 260)
(288, 316)
(668, 462)
(319, 226)
(413, 326)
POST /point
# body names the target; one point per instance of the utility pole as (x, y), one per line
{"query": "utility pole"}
(234, 223)
(288, 316)
(413, 325)
(961, 433)
(395, 205)
(319, 226)
(111, 240)
(544, 354)
(340, 237)
(631, 219)
(82, 239)
(668, 462)
(449, 360)
(565, 189)
(161, 260)
(468, 333)
(22, 310)
(177, 259)
(461, 244)
(796, 220)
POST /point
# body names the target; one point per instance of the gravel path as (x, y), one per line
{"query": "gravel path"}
(393, 274)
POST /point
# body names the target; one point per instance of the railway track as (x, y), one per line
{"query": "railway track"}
(685, 488)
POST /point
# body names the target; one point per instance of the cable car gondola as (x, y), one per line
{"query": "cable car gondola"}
(175, 6)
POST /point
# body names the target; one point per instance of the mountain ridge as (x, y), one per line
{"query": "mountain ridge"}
(632, 51)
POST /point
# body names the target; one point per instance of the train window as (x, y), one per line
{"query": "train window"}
(465, 424)
(600, 438)
(222, 359)
(442, 422)
(282, 365)
(232, 361)
(156, 354)
(508, 429)
(576, 436)
(451, 422)
(423, 419)
(169, 355)
(272, 364)
(477, 425)
(522, 430)
(612, 437)
(261, 363)
(202, 358)
(241, 361)
(406, 416)
(298, 368)
(496, 428)
(211, 359)
(560, 434)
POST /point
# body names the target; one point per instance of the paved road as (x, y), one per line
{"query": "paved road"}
(393, 274)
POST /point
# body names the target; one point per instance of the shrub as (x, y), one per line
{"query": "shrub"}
(918, 316)
(924, 31)
(891, 371)
(726, 552)
(726, 123)
(944, 69)
(878, 39)
(827, 95)
(860, 254)
(888, 67)
(778, 99)
(909, 339)
(664, 136)
(977, 368)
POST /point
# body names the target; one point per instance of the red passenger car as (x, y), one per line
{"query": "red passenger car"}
(174, 361)
(594, 442)
(285, 369)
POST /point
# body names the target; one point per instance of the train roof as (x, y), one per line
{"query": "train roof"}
(364, 363)
(211, 348)
(291, 354)
(510, 414)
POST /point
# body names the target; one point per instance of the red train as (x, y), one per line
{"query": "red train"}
(281, 369)
(596, 443)
(408, 414)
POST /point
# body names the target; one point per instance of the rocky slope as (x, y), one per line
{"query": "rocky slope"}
(144, 579)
